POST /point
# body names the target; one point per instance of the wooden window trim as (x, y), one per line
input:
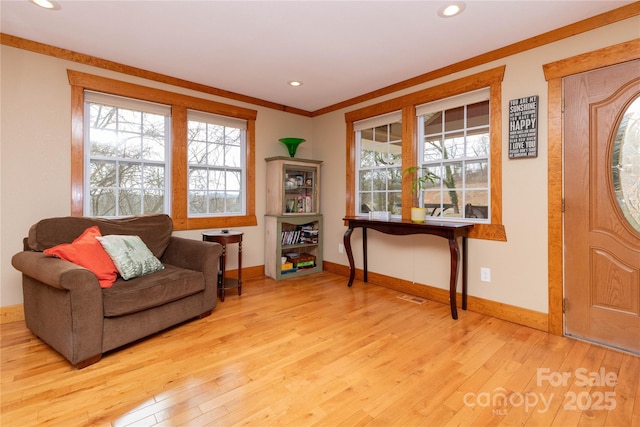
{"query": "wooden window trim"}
(179, 177)
(407, 103)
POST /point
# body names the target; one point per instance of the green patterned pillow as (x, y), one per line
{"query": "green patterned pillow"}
(130, 255)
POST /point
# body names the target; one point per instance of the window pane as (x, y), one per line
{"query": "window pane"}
(103, 202)
(379, 167)
(197, 202)
(197, 153)
(215, 155)
(102, 116)
(103, 174)
(433, 149)
(215, 133)
(395, 202)
(478, 114)
(218, 152)
(379, 201)
(130, 146)
(479, 144)
(153, 201)
(154, 176)
(454, 119)
(233, 157)
(433, 123)
(395, 179)
(365, 202)
(135, 143)
(476, 204)
(477, 174)
(456, 148)
(233, 136)
(197, 131)
(365, 180)
(130, 121)
(153, 149)
(129, 202)
(367, 156)
(198, 179)
(216, 203)
(233, 180)
(234, 202)
(103, 143)
(130, 175)
(216, 180)
(452, 198)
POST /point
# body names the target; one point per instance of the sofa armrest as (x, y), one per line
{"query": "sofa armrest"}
(198, 256)
(56, 272)
(192, 254)
(62, 305)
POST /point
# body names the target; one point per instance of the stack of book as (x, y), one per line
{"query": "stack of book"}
(302, 260)
(293, 237)
(303, 234)
(309, 235)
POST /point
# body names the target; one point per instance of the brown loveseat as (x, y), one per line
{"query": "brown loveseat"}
(66, 307)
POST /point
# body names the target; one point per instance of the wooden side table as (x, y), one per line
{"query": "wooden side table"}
(225, 237)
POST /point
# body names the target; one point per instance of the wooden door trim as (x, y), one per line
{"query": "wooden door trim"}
(554, 73)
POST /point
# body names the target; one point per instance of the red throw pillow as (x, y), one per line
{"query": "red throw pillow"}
(87, 252)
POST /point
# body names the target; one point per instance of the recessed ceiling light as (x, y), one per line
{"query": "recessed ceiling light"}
(451, 9)
(46, 4)
(295, 83)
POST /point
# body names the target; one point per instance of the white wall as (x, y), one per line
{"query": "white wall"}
(35, 174)
(35, 154)
(518, 266)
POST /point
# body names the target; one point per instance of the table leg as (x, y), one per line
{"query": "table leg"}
(464, 273)
(240, 268)
(223, 259)
(364, 254)
(347, 246)
(455, 254)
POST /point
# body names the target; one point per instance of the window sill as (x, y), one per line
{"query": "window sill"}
(214, 222)
(488, 232)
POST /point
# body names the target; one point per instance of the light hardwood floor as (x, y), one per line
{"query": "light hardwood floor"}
(311, 351)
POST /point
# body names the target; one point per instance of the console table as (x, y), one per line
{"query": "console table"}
(448, 230)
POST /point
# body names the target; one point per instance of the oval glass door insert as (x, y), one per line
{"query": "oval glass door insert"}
(626, 164)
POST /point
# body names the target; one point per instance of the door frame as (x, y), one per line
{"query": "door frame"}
(554, 72)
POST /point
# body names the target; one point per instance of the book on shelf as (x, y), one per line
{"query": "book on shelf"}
(303, 234)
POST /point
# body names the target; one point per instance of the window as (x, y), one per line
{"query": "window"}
(379, 147)
(454, 131)
(127, 147)
(215, 147)
(138, 150)
(455, 149)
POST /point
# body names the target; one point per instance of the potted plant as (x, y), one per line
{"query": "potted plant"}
(420, 178)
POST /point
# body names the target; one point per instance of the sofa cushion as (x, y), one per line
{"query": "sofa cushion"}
(87, 252)
(154, 230)
(152, 290)
(130, 255)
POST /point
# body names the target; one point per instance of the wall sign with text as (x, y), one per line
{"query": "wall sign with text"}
(523, 127)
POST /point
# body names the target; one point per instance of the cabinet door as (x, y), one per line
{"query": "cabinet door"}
(300, 189)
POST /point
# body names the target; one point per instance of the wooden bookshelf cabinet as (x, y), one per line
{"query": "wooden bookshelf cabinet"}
(293, 223)
(300, 235)
(293, 186)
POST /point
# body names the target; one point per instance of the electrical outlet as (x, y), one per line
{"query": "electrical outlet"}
(340, 248)
(485, 274)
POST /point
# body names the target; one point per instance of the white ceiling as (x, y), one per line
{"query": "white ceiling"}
(338, 49)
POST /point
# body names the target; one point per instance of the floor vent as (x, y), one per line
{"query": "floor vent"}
(412, 298)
